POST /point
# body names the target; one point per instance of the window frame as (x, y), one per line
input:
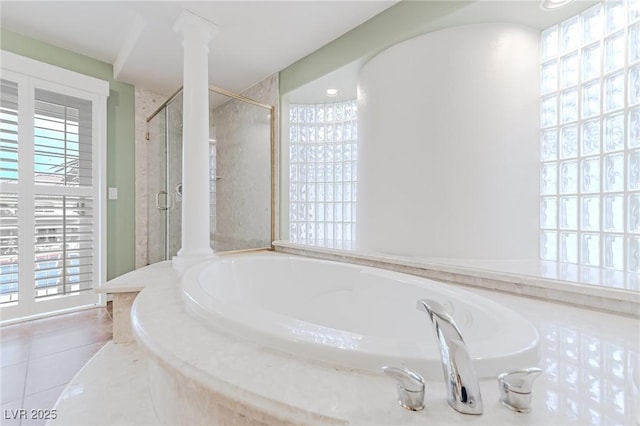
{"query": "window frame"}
(30, 75)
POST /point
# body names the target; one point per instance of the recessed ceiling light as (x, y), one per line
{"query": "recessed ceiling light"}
(553, 4)
(332, 93)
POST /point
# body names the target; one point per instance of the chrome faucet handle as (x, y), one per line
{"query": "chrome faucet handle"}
(515, 388)
(460, 376)
(410, 386)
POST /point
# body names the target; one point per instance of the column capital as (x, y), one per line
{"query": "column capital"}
(190, 24)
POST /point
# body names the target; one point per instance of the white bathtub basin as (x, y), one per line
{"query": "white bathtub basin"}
(352, 316)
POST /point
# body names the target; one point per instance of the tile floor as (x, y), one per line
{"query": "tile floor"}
(39, 357)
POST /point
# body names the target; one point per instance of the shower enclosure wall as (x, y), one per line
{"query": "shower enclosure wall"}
(241, 140)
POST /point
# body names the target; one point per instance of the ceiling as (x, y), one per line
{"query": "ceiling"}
(255, 39)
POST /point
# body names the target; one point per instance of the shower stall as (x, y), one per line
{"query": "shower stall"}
(241, 174)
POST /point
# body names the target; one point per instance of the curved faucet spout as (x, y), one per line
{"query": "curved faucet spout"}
(463, 388)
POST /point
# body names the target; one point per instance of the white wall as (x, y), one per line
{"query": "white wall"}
(448, 145)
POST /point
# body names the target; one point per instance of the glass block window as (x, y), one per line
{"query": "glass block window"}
(322, 172)
(590, 138)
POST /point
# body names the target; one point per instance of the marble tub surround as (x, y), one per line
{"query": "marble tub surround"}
(200, 375)
(122, 303)
(125, 289)
(525, 278)
(111, 389)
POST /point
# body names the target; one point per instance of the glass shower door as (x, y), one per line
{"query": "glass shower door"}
(174, 177)
(157, 202)
(242, 178)
(164, 175)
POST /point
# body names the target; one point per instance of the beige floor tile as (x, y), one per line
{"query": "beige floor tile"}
(60, 322)
(40, 357)
(13, 382)
(68, 338)
(14, 351)
(11, 413)
(57, 369)
(21, 330)
(40, 406)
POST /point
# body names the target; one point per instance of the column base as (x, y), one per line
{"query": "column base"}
(182, 263)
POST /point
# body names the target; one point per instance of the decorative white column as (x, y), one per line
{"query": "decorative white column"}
(197, 32)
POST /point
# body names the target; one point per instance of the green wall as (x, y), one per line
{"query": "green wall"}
(405, 20)
(400, 22)
(120, 142)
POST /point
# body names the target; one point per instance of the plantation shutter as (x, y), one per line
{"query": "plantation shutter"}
(8, 131)
(8, 201)
(9, 248)
(64, 216)
(52, 175)
(64, 245)
(62, 140)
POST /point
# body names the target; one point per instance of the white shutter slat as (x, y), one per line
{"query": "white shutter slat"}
(9, 249)
(62, 140)
(64, 246)
(8, 131)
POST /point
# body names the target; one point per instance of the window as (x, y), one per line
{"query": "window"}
(53, 144)
(322, 173)
(590, 138)
(62, 140)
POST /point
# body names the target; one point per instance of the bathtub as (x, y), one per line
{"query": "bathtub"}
(351, 316)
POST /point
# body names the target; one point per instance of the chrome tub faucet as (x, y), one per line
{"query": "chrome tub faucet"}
(461, 379)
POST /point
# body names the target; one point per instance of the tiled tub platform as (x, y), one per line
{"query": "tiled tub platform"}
(125, 289)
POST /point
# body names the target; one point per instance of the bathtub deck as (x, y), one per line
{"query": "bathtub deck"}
(111, 389)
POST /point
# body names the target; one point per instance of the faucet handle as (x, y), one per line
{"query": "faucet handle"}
(515, 389)
(410, 386)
